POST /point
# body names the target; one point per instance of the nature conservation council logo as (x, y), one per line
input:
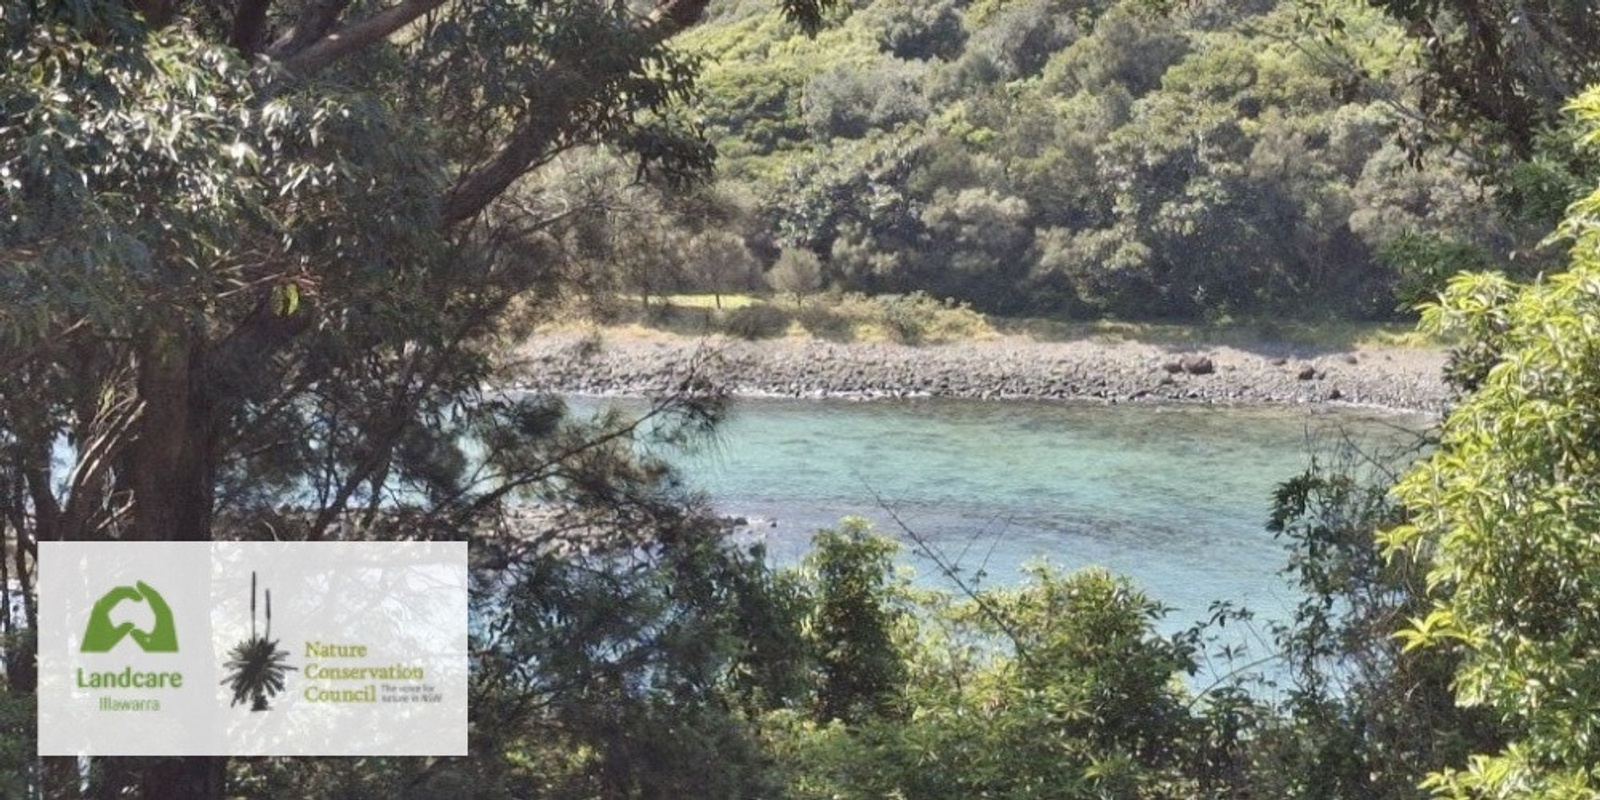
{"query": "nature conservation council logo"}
(257, 668)
(100, 636)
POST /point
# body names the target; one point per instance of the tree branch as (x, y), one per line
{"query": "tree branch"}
(952, 572)
(561, 93)
(314, 23)
(355, 36)
(557, 97)
(314, 44)
(234, 367)
(554, 101)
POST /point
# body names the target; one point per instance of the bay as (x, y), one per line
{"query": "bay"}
(1174, 496)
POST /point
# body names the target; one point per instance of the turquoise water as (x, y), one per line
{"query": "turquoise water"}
(1174, 496)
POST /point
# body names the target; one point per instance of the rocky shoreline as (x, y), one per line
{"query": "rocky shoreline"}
(1399, 378)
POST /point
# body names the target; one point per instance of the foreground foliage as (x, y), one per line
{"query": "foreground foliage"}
(1063, 687)
(1505, 512)
(1058, 688)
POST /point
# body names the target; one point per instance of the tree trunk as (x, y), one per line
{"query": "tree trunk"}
(199, 777)
(173, 470)
(173, 476)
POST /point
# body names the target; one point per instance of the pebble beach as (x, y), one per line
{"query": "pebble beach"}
(1398, 378)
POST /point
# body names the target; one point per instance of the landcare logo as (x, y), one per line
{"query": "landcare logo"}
(101, 636)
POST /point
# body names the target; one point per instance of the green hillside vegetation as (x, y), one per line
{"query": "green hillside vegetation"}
(1095, 158)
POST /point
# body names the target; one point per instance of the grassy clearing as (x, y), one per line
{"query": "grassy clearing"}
(921, 319)
(1331, 335)
(909, 319)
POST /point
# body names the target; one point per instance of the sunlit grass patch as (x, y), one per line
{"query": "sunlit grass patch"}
(729, 302)
(1249, 334)
(919, 318)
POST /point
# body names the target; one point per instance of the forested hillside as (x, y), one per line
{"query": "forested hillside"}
(1087, 157)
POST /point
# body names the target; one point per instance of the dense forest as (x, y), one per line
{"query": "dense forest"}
(1099, 158)
(261, 263)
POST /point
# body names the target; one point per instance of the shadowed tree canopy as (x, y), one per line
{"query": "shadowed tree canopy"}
(196, 194)
(1502, 67)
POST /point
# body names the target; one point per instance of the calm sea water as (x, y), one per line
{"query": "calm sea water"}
(1174, 496)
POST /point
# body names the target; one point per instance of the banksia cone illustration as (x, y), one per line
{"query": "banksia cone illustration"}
(257, 669)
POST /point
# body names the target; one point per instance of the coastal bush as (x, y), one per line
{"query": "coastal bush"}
(1061, 687)
(597, 673)
(849, 579)
(825, 322)
(1423, 265)
(849, 101)
(918, 30)
(903, 318)
(918, 318)
(757, 321)
(843, 317)
(1056, 688)
(1238, 160)
(1364, 716)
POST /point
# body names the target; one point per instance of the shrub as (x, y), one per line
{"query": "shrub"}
(861, 675)
(757, 321)
(849, 101)
(918, 318)
(1504, 511)
(825, 323)
(1423, 265)
(918, 29)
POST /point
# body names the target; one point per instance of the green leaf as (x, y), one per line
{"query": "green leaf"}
(286, 299)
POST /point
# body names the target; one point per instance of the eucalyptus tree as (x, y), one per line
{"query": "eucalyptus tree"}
(259, 252)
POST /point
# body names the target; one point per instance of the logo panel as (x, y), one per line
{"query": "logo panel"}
(353, 648)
